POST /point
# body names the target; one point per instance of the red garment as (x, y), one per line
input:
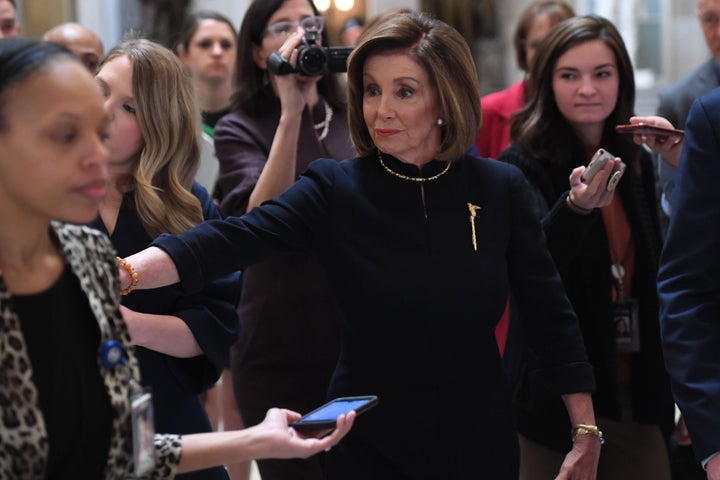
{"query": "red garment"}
(497, 107)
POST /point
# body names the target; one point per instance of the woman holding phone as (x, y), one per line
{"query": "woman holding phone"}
(67, 409)
(604, 236)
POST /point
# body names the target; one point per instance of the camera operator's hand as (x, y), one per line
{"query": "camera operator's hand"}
(295, 91)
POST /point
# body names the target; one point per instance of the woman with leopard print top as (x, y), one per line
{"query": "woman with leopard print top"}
(63, 413)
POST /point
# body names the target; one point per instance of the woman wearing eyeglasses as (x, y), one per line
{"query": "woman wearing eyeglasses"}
(289, 341)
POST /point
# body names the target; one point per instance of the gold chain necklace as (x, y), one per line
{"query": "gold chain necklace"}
(412, 179)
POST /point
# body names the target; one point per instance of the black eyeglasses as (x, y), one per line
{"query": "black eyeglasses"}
(285, 29)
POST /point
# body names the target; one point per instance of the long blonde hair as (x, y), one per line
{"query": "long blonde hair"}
(169, 119)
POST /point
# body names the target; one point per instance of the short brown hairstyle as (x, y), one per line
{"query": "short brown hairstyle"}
(557, 10)
(446, 57)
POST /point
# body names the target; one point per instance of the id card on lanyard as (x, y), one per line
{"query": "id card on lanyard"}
(112, 354)
(627, 328)
(143, 428)
(625, 315)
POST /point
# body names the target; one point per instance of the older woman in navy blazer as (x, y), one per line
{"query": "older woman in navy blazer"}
(422, 244)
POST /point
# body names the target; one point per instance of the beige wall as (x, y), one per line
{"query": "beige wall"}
(38, 16)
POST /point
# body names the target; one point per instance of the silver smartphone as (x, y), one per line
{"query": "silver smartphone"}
(598, 161)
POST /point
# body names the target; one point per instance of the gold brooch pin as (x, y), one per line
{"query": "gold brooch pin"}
(473, 213)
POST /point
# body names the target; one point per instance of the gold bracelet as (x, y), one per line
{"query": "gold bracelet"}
(134, 277)
(582, 429)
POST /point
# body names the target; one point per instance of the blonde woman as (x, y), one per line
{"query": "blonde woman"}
(153, 143)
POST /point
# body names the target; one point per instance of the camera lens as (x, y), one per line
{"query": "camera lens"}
(312, 61)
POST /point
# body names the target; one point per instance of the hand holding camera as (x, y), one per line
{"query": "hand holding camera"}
(313, 60)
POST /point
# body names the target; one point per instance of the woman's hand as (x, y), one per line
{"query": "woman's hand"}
(272, 438)
(283, 441)
(713, 468)
(584, 197)
(294, 90)
(581, 462)
(680, 434)
(669, 147)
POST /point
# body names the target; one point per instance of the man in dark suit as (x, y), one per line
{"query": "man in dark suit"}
(674, 104)
(675, 99)
(689, 283)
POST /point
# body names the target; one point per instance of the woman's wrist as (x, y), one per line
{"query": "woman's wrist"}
(575, 207)
(583, 429)
(128, 276)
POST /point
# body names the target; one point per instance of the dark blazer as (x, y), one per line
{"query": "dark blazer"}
(689, 279)
(420, 304)
(579, 245)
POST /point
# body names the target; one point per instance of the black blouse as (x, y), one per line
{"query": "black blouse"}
(63, 340)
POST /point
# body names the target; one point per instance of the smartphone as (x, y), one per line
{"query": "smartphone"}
(644, 129)
(324, 418)
(598, 161)
(615, 177)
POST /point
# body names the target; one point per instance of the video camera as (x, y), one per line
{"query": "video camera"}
(313, 60)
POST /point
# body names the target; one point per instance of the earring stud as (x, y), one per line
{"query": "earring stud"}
(440, 121)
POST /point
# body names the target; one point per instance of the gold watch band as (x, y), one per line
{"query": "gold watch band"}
(583, 429)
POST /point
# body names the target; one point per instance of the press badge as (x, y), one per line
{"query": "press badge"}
(143, 430)
(627, 328)
(113, 355)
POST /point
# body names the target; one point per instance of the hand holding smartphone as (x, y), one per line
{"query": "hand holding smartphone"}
(324, 418)
(597, 163)
(645, 129)
(615, 177)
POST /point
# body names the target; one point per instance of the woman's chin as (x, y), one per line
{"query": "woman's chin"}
(78, 215)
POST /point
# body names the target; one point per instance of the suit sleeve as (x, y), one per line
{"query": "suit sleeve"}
(242, 152)
(689, 280)
(546, 312)
(288, 223)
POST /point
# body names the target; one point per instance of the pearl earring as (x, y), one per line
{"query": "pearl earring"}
(440, 121)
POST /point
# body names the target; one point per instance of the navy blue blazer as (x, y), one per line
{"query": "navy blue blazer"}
(689, 279)
(420, 304)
